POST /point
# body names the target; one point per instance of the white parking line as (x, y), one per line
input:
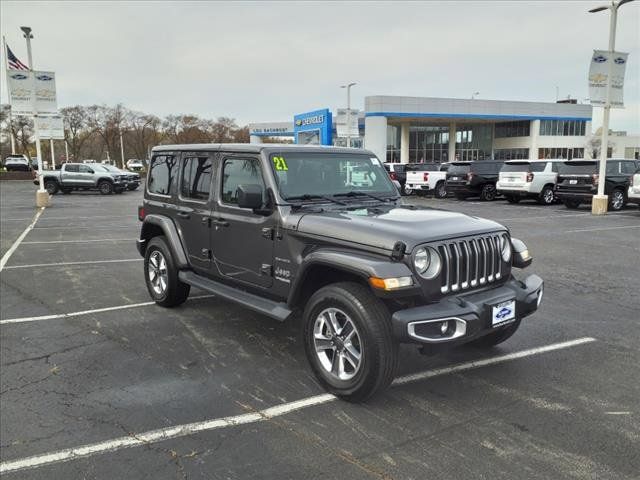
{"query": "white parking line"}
(16, 244)
(159, 435)
(601, 228)
(85, 228)
(61, 264)
(87, 312)
(81, 241)
(71, 218)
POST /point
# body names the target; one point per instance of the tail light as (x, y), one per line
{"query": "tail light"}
(530, 177)
(425, 176)
(631, 180)
(141, 213)
(596, 178)
(393, 176)
(469, 176)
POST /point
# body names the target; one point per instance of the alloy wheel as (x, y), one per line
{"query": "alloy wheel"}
(618, 200)
(157, 272)
(337, 344)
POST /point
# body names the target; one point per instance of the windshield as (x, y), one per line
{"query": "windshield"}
(577, 168)
(326, 174)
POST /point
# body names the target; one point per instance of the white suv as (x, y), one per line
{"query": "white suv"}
(17, 163)
(634, 189)
(520, 179)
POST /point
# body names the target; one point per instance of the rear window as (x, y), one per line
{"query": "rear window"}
(459, 168)
(577, 168)
(487, 167)
(524, 167)
(422, 167)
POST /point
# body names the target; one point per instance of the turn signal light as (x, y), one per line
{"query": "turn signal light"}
(390, 283)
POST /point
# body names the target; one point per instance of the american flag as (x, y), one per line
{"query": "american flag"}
(13, 62)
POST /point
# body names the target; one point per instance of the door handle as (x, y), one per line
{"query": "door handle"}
(183, 215)
(220, 222)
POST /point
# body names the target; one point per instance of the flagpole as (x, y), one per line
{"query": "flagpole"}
(6, 71)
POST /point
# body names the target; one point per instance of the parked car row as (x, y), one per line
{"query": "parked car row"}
(106, 179)
(547, 181)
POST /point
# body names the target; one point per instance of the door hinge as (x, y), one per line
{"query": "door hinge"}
(266, 269)
(206, 253)
(267, 233)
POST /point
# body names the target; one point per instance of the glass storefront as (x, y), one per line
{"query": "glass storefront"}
(430, 143)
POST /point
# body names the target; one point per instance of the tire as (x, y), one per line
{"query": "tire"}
(349, 302)
(168, 290)
(105, 187)
(441, 190)
(488, 192)
(571, 203)
(617, 200)
(51, 186)
(497, 337)
(408, 190)
(546, 196)
(67, 190)
(513, 199)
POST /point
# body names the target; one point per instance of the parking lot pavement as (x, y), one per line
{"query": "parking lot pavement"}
(188, 392)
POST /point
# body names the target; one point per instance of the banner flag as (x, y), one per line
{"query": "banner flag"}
(32, 90)
(603, 62)
(51, 126)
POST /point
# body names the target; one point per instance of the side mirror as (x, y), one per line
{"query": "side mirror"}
(521, 256)
(249, 196)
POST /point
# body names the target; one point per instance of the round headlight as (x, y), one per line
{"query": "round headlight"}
(505, 248)
(427, 262)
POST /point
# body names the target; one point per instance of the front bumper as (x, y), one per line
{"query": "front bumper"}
(473, 310)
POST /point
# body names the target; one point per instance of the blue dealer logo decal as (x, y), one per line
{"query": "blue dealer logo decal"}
(600, 59)
(44, 78)
(19, 76)
(619, 61)
(503, 313)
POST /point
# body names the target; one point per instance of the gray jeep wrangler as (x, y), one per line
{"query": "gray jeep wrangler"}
(320, 233)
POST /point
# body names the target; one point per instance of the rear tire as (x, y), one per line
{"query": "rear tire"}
(161, 275)
(547, 196)
(513, 199)
(51, 186)
(333, 351)
(617, 200)
(408, 190)
(497, 337)
(441, 190)
(571, 203)
(105, 187)
(488, 193)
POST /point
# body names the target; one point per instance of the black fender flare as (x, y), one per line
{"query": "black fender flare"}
(150, 225)
(356, 263)
(107, 179)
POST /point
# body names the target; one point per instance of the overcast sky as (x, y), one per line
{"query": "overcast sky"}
(266, 61)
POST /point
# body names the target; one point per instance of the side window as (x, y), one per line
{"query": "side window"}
(613, 168)
(84, 168)
(239, 171)
(628, 167)
(538, 166)
(196, 178)
(161, 174)
(72, 168)
(554, 167)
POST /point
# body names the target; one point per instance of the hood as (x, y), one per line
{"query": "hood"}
(383, 226)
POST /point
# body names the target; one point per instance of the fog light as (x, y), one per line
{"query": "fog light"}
(444, 327)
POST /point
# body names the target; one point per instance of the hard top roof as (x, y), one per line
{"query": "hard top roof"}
(257, 148)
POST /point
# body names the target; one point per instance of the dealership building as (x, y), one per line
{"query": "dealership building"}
(425, 129)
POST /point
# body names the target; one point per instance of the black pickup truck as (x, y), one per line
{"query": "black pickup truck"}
(320, 235)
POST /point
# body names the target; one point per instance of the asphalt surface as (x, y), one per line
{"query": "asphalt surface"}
(571, 413)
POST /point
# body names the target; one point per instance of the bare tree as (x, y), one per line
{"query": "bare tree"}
(77, 132)
(106, 122)
(144, 131)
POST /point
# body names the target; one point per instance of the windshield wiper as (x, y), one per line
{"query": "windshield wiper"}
(355, 193)
(309, 196)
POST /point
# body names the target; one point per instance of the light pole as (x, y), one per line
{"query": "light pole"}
(42, 197)
(600, 201)
(348, 87)
(121, 148)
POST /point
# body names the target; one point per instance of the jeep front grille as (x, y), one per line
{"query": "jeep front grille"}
(470, 263)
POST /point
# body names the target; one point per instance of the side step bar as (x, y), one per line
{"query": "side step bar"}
(277, 310)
